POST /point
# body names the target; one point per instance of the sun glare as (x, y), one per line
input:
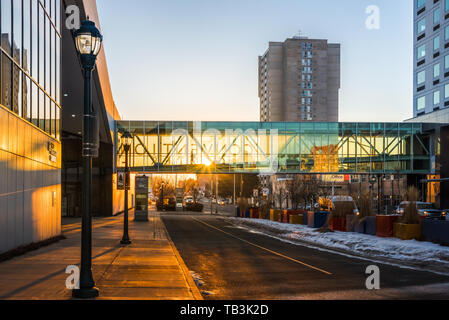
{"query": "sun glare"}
(207, 162)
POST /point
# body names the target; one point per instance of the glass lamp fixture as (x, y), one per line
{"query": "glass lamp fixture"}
(88, 42)
(127, 139)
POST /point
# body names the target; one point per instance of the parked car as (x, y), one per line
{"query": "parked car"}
(328, 204)
(444, 215)
(425, 209)
(188, 200)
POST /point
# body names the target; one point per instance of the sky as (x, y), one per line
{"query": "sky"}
(198, 59)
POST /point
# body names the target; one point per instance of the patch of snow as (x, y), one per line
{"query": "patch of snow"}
(423, 255)
(197, 279)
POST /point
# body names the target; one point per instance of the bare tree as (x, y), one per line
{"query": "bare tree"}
(325, 190)
(295, 188)
(280, 194)
(169, 188)
(311, 189)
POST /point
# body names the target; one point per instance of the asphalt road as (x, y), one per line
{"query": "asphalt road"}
(235, 263)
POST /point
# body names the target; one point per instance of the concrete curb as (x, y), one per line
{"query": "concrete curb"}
(188, 278)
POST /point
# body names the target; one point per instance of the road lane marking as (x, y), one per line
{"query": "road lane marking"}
(263, 248)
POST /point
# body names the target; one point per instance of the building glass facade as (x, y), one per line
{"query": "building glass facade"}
(431, 56)
(30, 65)
(276, 147)
(30, 148)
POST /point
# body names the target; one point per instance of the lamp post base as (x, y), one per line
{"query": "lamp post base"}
(85, 293)
(125, 241)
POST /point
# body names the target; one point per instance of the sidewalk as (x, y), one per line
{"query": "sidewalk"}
(150, 268)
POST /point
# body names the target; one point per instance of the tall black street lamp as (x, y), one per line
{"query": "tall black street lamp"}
(127, 140)
(88, 44)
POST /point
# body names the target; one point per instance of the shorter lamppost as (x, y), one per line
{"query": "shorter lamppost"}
(162, 195)
(127, 140)
(216, 194)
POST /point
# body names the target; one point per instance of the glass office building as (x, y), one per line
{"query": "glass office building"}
(30, 113)
(31, 61)
(277, 147)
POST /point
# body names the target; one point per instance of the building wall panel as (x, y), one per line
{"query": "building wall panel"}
(30, 184)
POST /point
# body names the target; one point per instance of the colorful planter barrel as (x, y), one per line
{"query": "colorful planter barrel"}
(317, 219)
(350, 223)
(305, 218)
(337, 224)
(407, 231)
(370, 225)
(254, 213)
(275, 214)
(286, 216)
(296, 219)
(359, 226)
(247, 213)
(288, 213)
(263, 215)
(384, 225)
(355, 225)
(436, 231)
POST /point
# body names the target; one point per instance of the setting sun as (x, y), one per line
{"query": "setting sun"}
(207, 162)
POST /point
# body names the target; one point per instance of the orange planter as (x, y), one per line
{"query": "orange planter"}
(263, 215)
(296, 219)
(286, 216)
(275, 214)
(254, 213)
(287, 213)
(384, 225)
(337, 224)
(407, 231)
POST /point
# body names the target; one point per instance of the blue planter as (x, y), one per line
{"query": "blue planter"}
(352, 225)
(436, 231)
(370, 225)
(317, 219)
(359, 227)
(247, 214)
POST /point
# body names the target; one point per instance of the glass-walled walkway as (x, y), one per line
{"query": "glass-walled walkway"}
(290, 147)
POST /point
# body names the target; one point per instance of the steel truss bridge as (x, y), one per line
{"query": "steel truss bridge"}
(276, 147)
